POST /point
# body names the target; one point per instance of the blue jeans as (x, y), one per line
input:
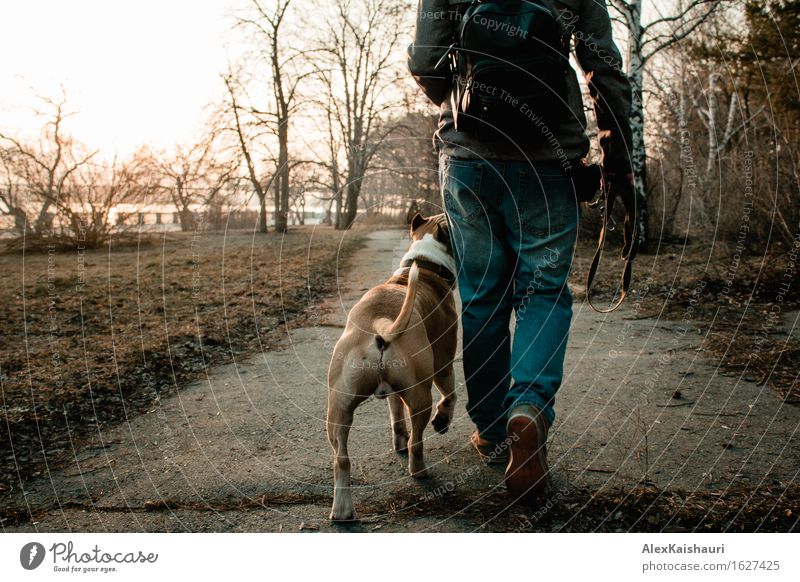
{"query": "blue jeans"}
(513, 227)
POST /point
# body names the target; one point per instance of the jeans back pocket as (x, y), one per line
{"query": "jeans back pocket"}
(461, 184)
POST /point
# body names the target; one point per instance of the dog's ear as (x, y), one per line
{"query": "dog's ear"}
(443, 231)
(417, 221)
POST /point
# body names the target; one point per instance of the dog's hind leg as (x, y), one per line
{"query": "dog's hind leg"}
(419, 403)
(339, 420)
(446, 384)
(397, 415)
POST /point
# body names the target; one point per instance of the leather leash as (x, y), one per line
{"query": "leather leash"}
(607, 201)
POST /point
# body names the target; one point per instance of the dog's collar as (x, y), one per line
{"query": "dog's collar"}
(443, 272)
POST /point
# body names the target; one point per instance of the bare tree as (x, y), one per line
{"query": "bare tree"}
(305, 182)
(409, 163)
(44, 167)
(194, 175)
(357, 69)
(260, 180)
(333, 170)
(97, 190)
(12, 199)
(644, 43)
(56, 188)
(723, 29)
(268, 21)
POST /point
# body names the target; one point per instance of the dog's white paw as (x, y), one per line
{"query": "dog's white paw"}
(342, 509)
(343, 514)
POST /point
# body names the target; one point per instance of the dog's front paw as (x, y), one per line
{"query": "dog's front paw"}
(343, 514)
(441, 422)
(418, 470)
(342, 509)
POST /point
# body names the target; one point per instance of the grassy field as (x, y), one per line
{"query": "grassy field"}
(93, 337)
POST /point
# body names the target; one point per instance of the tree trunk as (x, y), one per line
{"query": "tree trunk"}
(713, 140)
(282, 186)
(280, 225)
(328, 218)
(20, 219)
(44, 222)
(638, 147)
(669, 218)
(337, 187)
(262, 212)
(351, 204)
(338, 216)
(187, 219)
(733, 110)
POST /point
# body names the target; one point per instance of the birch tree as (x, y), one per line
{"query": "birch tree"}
(645, 41)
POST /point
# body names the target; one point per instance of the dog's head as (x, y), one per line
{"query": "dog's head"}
(436, 226)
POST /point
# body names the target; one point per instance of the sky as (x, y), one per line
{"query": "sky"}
(137, 72)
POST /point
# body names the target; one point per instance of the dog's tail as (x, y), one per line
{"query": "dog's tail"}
(387, 330)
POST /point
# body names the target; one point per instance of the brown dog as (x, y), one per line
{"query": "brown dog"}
(399, 338)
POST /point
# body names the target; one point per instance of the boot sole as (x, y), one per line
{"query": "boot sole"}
(526, 474)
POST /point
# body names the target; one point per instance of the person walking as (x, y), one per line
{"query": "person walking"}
(511, 139)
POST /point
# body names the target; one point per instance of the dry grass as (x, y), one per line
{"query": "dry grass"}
(94, 338)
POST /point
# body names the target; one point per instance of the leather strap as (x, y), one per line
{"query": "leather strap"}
(625, 282)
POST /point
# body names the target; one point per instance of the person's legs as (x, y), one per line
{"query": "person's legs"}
(485, 279)
(543, 216)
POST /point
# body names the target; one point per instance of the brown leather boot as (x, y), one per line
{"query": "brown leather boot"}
(526, 474)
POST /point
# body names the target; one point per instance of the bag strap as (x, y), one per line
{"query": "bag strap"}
(625, 282)
(566, 36)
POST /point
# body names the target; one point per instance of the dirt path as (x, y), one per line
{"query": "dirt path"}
(245, 450)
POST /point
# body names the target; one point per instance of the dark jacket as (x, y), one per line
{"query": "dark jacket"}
(589, 24)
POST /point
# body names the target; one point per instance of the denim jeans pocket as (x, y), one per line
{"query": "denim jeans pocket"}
(544, 203)
(461, 183)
